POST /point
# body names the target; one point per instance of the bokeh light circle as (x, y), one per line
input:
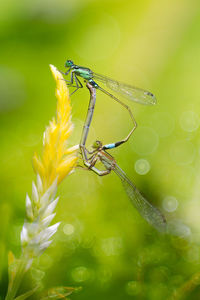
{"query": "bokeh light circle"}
(112, 246)
(170, 203)
(189, 121)
(37, 274)
(163, 123)
(145, 141)
(80, 274)
(142, 166)
(133, 288)
(68, 229)
(182, 152)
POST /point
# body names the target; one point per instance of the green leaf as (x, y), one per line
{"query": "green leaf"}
(13, 264)
(60, 292)
(27, 294)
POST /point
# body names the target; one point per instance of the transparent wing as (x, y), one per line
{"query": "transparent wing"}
(132, 93)
(150, 213)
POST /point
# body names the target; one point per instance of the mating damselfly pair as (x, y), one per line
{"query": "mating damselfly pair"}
(150, 213)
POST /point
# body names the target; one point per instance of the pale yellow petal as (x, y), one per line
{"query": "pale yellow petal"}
(38, 166)
(54, 162)
(65, 168)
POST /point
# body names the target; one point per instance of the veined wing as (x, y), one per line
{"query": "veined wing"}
(150, 213)
(128, 91)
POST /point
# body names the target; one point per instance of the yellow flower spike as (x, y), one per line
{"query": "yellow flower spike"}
(54, 162)
(72, 149)
(38, 166)
(65, 168)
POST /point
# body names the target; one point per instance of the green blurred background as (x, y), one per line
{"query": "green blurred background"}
(103, 244)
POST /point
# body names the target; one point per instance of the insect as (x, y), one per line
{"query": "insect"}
(132, 93)
(149, 212)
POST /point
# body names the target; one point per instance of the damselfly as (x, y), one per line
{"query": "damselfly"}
(149, 212)
(128, 91)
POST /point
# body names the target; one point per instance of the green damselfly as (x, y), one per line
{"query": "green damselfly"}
(135, 94)
(149, 212)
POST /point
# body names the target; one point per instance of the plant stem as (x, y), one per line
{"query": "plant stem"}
(15, 283)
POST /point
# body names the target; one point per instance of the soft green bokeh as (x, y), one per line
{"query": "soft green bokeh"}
(103, 244)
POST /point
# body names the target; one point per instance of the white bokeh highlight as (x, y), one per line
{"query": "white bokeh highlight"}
(170, 203)
(142, 166)
(189, 121)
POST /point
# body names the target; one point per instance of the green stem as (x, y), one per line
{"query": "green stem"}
(15, 283)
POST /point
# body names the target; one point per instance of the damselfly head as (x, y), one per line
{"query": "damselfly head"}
(69, 63)
(97, 145)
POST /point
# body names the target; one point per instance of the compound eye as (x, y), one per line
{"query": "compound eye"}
(69, 63)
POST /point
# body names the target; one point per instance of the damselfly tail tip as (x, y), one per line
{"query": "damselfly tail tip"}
(152, 97)
(154, 102)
